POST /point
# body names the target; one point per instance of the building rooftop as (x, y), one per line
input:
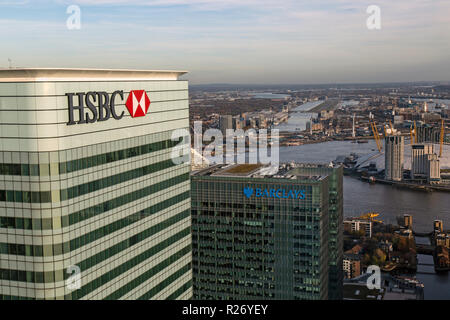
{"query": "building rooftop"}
(285, 171)
(75, 74)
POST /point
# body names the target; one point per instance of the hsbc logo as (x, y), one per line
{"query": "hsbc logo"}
(138, 103)
(101, 106)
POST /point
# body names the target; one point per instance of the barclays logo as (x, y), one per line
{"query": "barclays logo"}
(274, 193)
(248, 192)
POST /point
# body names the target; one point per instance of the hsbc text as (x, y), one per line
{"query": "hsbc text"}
(93, 100)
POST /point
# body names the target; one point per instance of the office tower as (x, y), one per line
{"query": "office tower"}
(225, 122)
(394, 154)
(264, 237)
(88, 187)
(336, 226)
(419, 159)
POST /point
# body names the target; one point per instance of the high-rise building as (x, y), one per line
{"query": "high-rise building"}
(394, 155)
(92, 206)
(265, 237)
(433, 169)
(419, 159)
(336, 219)
(425, 163)
(225, 122)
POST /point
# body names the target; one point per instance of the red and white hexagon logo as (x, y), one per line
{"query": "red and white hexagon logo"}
(137, 103)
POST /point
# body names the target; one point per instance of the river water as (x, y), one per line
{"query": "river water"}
(361, 197)
(390, 202)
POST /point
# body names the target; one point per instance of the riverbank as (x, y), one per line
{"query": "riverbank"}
(407, 185)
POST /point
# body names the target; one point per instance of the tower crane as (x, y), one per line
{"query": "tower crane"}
(376, 135)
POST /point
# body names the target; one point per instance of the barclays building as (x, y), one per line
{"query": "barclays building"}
(267, 237)
(91, 204)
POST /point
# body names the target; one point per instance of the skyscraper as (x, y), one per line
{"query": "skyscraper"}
(225, 122)
(264, 237)
(419, 159)
(336, 223)
(394, 155)
(88, 187)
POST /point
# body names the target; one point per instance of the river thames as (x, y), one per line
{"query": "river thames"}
(362, 197)
(390, 202)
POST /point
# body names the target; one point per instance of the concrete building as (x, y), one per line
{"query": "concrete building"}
(266, 237)
(428, 134)
(88, 186)
(425, 163)
(433, 169)
(443, 239)
(355, 225)
(238, 123)
(408, 221)
(394, 155)
(419, 159)
(438, 226)
(351, 265)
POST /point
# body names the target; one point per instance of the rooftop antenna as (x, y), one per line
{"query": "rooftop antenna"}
(10, 63)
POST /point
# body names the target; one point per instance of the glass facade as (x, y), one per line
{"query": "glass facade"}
(336, 222)
(105, 197)
(261, 247)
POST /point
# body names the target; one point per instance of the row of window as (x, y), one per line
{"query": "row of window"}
(180, 290)
(86, 289)
(60, 275)
(166, 282)
(68, 246)
(96, 283)
(87, 213)
(17, 169)
(147, 274)
(85, 188)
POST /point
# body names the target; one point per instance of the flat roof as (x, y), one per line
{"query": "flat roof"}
(285, 171)
(241, 170)
(81, 74)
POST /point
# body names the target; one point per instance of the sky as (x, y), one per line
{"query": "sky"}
(235, 41)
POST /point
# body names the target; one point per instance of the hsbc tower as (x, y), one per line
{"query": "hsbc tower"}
(91, 204)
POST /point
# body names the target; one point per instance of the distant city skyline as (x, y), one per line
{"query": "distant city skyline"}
(235, 42)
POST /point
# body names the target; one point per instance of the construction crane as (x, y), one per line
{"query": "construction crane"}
(376, 135)
(370, 216)
(441, 138)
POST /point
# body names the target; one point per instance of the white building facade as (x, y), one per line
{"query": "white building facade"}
(91, 204)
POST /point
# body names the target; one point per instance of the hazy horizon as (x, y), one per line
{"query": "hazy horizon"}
(248, 42)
